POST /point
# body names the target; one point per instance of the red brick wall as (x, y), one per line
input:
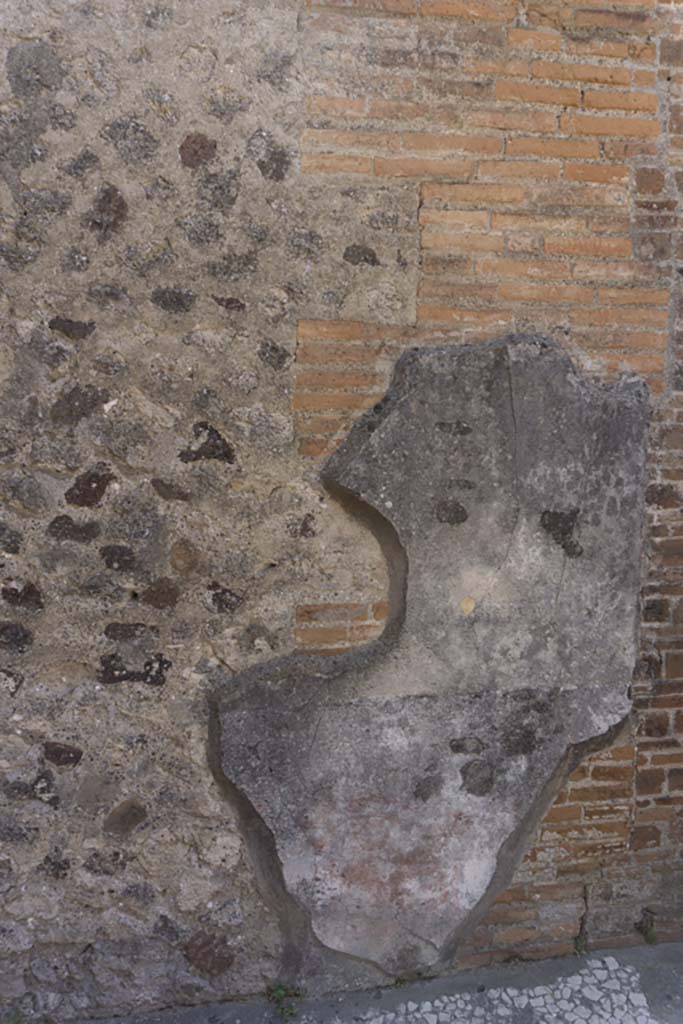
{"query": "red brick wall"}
(544, 141)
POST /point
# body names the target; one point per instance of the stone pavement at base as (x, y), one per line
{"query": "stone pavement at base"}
(635, 986)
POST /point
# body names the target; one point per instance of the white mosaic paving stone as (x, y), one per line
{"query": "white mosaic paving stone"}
(602, 992)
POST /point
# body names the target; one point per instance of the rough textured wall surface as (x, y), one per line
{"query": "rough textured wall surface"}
(220, 223)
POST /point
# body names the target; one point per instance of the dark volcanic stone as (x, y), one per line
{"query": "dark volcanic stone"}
(272, 160)
(33, 68)
(43, 788)
(273, 354)
(561, 525)
(55, 866)
(231, 304)
(133, 142)
(220, 190)
(233, 265)
(361, 255)
(153, 673)
(13, 831)
(196, 149)
(214, 446)
(10, 540)
(62, 754)
(125, 817)
(223, 599)
(107, 863)
(66, 528)
(76, 330)
(82, 164)
(89, 488)
(169, 491)
(478, 777)
(466, 745)
(448, 510)
(77, 404)
(14, 637)
(108, 212)
(174, 300)
(305, 244)
(163, 593)
(106, 294)
(209, 953)
(118, 557)
(27, 596)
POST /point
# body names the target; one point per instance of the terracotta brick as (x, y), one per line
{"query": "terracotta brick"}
(312, 400)
(541, 270)
(338, 380)
(577, 149)
(607, 173)
(335, 106)
(514, 935)
(489, 10)
(673, 661)
(650, 180)
(546, 293)
(461, 241)
(513, 121)
(329, 354)
(598, 47)
(364, 632)
(332, 163)
(645, 836)
(475, 194)
(533, 222)
(564, 72)
(527, 92)
(449, 142)
(604, 99)
(536, 40)
(520, 169)
(313, 446)
(325, 138)
(321, 634)
(596, 794)
(589, 124)
(456, 293)
(649, 781)
(331, 612)
(455, 219)
(619, 247)
(634, 296)
(453, 314)
(566, 812)
(416, 167)
(397, 110)
(628, 23)
(611, 772)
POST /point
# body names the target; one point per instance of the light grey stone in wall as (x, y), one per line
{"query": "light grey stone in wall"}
(388, 793)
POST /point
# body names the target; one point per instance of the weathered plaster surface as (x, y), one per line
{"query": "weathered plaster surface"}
(396, 782)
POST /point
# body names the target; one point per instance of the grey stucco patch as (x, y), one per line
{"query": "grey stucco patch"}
(391, 837)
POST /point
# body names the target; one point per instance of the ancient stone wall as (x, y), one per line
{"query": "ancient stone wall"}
(220, 224)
